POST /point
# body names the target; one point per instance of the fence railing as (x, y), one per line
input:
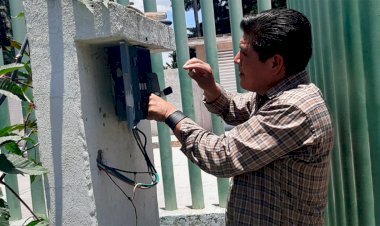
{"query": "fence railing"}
(344, 66)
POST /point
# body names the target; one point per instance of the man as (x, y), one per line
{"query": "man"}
(279, 152)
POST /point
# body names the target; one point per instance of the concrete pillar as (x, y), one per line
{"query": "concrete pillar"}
(75, 109)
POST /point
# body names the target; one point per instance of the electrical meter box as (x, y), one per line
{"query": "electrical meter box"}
(133, 81)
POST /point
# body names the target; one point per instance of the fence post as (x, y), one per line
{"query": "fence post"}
(212, 59)
(163, 130)
(263, 5)
(359, 126)
(369, 18)
(236, 15)
(182, 48)
(342, 106)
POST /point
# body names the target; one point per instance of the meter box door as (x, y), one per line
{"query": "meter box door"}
(133, 81)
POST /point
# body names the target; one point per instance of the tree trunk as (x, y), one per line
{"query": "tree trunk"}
(195, 9)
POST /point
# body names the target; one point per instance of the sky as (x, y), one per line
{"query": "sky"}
(165, 6)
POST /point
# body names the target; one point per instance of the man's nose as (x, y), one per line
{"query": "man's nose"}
(237, 58)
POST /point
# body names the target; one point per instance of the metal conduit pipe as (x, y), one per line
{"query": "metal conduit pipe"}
(182, 49)
(212, 58)
(163, 130)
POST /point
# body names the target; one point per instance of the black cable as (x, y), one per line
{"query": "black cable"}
(129, 198)
(142, 147)
(116, 172)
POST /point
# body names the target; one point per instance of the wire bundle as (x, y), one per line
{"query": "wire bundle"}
(118, 172)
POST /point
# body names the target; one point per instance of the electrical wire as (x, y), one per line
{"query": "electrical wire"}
(151, 170)
(150, 167)
(129, 198)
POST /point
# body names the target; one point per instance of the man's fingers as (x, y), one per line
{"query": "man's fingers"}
(192, 60)
(197, 68)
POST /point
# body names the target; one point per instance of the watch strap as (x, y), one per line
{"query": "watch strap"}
(174, 118)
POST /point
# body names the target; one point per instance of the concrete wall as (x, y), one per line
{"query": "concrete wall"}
(75, 109)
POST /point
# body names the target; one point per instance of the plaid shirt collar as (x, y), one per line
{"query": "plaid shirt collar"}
(288, 83)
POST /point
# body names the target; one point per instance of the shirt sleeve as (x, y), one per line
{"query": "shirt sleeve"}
(264, 138)
(234, 108)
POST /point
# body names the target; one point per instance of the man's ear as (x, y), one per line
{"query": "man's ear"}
(278, 64)
(277, 61)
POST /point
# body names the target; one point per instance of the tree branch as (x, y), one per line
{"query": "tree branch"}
(18, 197)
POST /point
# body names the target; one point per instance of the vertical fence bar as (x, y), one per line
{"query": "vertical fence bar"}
(11, 180)
(327, 75)
(314, 58)
(311, 66)
(182, 49)
(163, 130)
(318, 80)
(336, 156)
(289, 4)
(342, 106)
(212, 59)
(263, 5)
(37, 185)
(359, 126)
(370, 20)
(236, 14)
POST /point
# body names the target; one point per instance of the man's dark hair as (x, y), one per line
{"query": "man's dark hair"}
(280, 31)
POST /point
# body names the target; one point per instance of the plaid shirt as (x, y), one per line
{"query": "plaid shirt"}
(278, 154)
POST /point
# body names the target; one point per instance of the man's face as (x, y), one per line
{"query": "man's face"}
(255, 75)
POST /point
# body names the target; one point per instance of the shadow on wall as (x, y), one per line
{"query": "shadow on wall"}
(56, 101)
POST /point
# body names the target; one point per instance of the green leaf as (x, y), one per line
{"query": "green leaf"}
(40, 222)
(15, 44)
(12, 147)
(14, 164)
(9, 68)
(11, 89)
(7, 139)
(20, 15)
(4, 213)
(7, 131)
(29, 139)
(27, 68)
(22, 75)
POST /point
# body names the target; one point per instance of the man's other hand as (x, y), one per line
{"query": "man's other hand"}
(159, 109)
(201, 72)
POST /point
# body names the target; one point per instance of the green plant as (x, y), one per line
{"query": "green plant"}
(16, 140)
